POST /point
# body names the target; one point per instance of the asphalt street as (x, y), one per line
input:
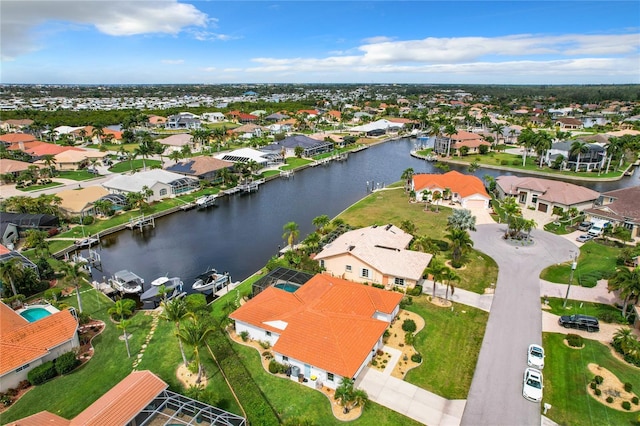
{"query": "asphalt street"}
(515, 321)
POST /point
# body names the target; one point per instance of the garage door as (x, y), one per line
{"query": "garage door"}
(474, 204)
(543, 207)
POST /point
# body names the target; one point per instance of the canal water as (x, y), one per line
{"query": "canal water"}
(242, 232)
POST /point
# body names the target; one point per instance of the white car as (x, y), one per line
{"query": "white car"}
(535, 356)
(532, 385)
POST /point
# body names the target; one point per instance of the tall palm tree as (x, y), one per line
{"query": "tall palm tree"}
(461, 242)
(450, 276)
(627, 283)
(123, 325)
(175, 310)
(320, 222)
(176, 156)
(449, 131)
(425, 245)
(511, 210)
(527, 139)
(11, 271)
(436, 197)
(291, 233)
(144, 150)
(614, 148)
(120, 310)
(498, 128)
(437, 270)
(542, 145)
(578, 148)
(75, 273)
(98, 133)
(194, 334)
(407, 176)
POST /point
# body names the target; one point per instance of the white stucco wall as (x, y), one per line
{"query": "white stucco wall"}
(256, 333)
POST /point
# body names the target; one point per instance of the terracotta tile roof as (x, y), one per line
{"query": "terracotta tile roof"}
(45, 148)
(19, 122)
(465, 185)
(21, 344)
(122, 402)
(13, 166)
(318, 324)
(17, 137)
(471, 143)
(43, 418)
(308, 111)
(551, 190)
(3, 251)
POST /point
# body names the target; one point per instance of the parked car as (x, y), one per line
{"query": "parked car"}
(581, 322)
(584, 226)
(532, 385)
(584, 238)
(535, 356)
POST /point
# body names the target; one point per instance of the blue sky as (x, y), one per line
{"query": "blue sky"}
(169, 41)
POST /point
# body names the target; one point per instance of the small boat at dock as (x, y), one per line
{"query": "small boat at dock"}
(211, 280)
(173, 288)
(206, 201)
(126, 282)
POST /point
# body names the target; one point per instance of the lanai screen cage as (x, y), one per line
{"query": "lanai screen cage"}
(280, 276)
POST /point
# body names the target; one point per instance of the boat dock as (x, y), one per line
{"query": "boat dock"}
(140, 222)
(252, 186)
(286, 174)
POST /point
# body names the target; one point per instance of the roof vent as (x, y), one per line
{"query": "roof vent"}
(386, 228)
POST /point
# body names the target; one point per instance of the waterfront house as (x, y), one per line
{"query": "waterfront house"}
(25, 221)
(545, 194)
(621, 207)
(447, 145)
(327, 329)
(375, 254)
(183, 120)
(141, 398)
(244, 155)
(467, 190)
(592, 159)
(213, 117)
(177, 141)
(162, 183)
(80, 202)
(248, 131)
(203, 167)
(6, 254)
(288, 145)
(569, 123)
(378, 128)
(156, 121)
(25, 345)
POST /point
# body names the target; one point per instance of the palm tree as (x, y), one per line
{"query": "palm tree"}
(103, 206)
(407, 176)
(578, 148)
(498, 128)
(359, 397)
(627, 283)
(225, 175)
(176, 156)
(449, 131)
(460, 243)
(450, 276)
(291, 233)
(425, 245)
(194, 334)
(436, 197)
(75, 273)
(527, 139)
(614, 148)
(437, 270)
(511, 210)
(312, 241)
(49, 161)
(123, 325)
(11, 271)
(625, 340)
(120, 309)
(175, 310)
(143, 150)
(320, 222)
(408, 226)
(542, 145)
(98, 132)
(461, 219)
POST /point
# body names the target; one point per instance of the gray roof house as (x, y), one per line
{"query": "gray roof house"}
(310, 146)
(622, 207)
(590, 160)
(164, 184)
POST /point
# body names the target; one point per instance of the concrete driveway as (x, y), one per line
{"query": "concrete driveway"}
(605, 335)
(495, 397)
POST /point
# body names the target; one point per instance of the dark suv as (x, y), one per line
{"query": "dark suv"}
(581, 322)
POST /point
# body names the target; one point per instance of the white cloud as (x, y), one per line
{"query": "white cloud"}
(210, 36)
(115, 18)
(377, 39)
(172, 61)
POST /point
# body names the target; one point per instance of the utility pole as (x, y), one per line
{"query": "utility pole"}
(574, 265)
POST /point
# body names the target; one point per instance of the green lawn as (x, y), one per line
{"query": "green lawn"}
(594, 262)
(514, 161)
(566, 378)
(450, 344)
(125, 166)
(606, 313)
(75, 175)
(294, 163)
(39, 187)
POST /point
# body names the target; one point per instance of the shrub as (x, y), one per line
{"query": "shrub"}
(415, 291)
(598, 379)
(42, 373)
(628, 386)
(626, 405)
(409, 338)
(83, 318)
(24, 384)
(87, 220)
(593, 385)
(379, 352)
(409, 326)
(265, 344)
(515, 162)
(635, 400)
(609, 399)
(267, 355)
(504, 162)
(574, 340)
(416, 357)
(66, 362)
(244, 335)
(274, 366)
(374, 363)
(598, 392)
(377, 285)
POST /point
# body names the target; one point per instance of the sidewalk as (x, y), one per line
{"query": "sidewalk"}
(597, 294)
(465, 297)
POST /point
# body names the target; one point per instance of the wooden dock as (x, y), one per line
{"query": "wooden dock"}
(140, 222)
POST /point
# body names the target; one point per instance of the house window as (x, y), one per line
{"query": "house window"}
(534, 198)
(523, 197)
(348, 268)
(163, 192)
(365, 273)
(322, 263)
(268, 333)
(285, 358)
(22, 368)
(399, 281)
(330, 377)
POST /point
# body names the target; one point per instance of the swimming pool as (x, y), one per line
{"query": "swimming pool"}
(287, 287)
(35, 313)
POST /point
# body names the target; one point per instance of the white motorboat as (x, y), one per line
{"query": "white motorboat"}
(126, 282)
(173, 287)
(206, 201)
(210, 280)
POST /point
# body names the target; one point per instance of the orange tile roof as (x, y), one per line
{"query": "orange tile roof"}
(43, 418)
(322, 319)
(123, 401)
(21, 341)
(45, 148)
(465, 185)
(17, 137)
(3, 250)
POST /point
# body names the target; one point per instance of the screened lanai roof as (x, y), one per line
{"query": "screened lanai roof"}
(278, 276)
(116, 199)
